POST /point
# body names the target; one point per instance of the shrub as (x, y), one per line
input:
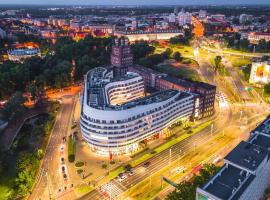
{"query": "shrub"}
(71, 158)
(112, 162)
(128, 167)
(104, 166)
(79, 164)
(79, 171)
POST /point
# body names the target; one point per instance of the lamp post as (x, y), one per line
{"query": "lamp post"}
(212, 126)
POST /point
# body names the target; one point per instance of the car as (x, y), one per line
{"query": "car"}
(120, 179)
(64, 139)
(62, 149)
(63, 169)
(65, 176)
(62, 160)
(146, 164)
(122, 176)
(130, 173)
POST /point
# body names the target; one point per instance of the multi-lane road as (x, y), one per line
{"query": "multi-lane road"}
(50, 179)
(51, 185)
(161, 160)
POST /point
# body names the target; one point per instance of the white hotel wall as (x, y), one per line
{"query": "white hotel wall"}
(130, 131)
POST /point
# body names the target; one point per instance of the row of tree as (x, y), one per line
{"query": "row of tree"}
(68, 61)
(186, 190)
(236, 42)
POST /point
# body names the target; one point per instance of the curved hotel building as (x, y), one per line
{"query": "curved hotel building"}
(116, 114)
(118, 128)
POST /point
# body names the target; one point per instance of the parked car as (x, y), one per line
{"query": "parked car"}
(65, 176)
(62, 160)
(63, 169)
(62, 149)
(146, 164)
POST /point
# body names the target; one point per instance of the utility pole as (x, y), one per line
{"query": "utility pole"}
(150, 179)
(170, 156)
(212, 126)
(241, 113)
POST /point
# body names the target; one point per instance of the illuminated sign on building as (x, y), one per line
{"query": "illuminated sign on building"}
(259, 73)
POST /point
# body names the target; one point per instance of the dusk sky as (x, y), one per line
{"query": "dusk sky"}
(133, 2)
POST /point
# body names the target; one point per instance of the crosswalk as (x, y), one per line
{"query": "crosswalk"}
(112, 190)
(222, 100)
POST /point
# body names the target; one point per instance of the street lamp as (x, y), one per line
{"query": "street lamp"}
(170, 155)
(212, 126)
(241, 113)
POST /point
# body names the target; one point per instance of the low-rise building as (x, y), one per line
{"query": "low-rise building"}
(161, 81)
(18, 55)
(246, 171)
(255, 37)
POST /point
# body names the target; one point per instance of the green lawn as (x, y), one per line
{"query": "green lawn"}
(83, 189)
(186, 51)
(238, 61)
(188, 73)
(71, 149)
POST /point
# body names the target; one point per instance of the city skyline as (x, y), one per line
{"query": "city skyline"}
(137, 2)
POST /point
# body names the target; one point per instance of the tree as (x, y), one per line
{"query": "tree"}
(32, 89)
(141, 49)
(186, 190)
(39, 154)
(267, 88)
(246, 71)
(217, 63)
(177, 56)
(168, 52)
(14, 106)
(235, 21)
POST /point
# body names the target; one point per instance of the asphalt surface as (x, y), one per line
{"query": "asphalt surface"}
(160, 160)
(50, 178)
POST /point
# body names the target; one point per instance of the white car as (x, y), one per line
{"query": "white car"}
(62, 149)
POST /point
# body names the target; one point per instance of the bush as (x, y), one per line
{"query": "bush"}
(128, 167)
(104, 166)
(112, 162)
(153, 152)
(73, 126)
(79, 164)
(79, 171)
(71, 158)
(71, 150)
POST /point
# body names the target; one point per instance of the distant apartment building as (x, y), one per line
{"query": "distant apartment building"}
(255, 37)
(184, 18)
(3, 33)
(244, 18)
(260, 73)
(149, 35)
(246, 170)
(172, 18)
(202, 14)
(218, 17)
(76, 25)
